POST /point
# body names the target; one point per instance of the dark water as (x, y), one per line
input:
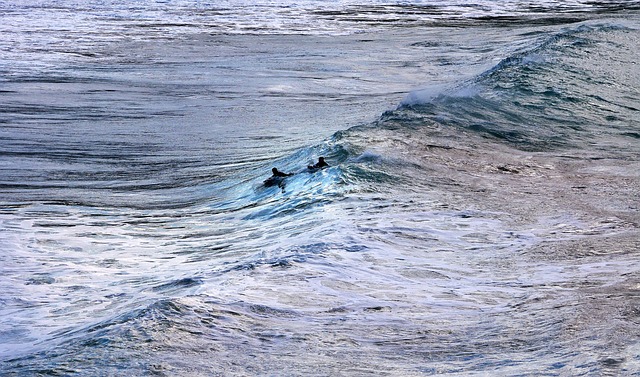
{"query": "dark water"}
(479, 217)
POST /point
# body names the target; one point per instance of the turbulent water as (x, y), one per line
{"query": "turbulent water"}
(480, 215)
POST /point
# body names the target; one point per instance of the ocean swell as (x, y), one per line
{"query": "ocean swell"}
(549, 96)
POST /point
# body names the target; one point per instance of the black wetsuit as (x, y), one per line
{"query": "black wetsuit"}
(319, 165)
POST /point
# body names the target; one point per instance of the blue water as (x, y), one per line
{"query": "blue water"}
(479, 216)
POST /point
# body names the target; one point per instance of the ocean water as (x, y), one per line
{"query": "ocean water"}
(480, 215)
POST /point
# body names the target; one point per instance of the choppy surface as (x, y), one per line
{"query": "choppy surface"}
(487, 225)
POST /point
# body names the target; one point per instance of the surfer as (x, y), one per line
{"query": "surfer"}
(277, 178)
(277, 173)
(321, 164)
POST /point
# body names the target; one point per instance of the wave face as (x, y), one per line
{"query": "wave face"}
(479, 214)
(552, 95)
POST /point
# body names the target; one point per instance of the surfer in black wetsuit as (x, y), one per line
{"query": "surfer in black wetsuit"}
(321, 164)
(277, 178)
(277, 173)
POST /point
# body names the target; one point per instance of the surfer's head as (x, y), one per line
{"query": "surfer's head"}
(274, 171)
(321, 159)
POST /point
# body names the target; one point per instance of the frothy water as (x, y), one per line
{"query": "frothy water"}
(479, 215)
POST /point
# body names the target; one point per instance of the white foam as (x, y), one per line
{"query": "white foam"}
(430, 93)
(423, 95)
(281, 88)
